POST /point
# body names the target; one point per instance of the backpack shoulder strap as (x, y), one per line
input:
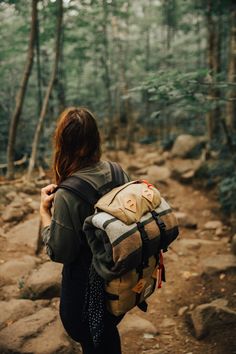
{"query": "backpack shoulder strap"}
(81, 188)
(87, 192)
(117, 178)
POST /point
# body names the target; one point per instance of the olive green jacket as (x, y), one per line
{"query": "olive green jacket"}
(64, 238)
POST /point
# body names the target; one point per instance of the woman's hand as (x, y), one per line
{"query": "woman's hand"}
(47, 197)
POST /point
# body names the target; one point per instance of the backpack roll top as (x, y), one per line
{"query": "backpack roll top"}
(130, 201)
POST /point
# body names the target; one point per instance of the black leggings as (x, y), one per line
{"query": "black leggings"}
(70, 313)
(79, 332)
(110, 345)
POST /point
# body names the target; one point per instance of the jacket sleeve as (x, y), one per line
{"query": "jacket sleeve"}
(63, 236)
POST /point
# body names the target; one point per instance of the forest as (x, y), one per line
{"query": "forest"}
(150, 70)
(160, 77)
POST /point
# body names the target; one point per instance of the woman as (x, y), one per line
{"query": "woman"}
(77, 152)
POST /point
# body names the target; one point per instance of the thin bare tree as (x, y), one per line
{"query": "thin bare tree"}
(21, 92)
(231, 102)
(214, 65)
(43, 112)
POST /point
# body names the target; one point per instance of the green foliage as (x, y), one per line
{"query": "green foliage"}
(170, 87)
(213, 172)
(227, 192)
(149, 55)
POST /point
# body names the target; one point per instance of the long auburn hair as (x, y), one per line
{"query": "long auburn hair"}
(77, 142)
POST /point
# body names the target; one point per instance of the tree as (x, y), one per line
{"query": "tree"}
(21, 92)
(169, 20)
(214, 65)
(48, 91)
(231, 102)
(106, 63)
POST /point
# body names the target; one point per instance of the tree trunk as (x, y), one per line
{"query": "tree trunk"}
(39, 76)
(147, 10)
(107, 77)
(61, 79)
(21, 92)
(198, 34)
(213, 115)
(231, 102)
(48, 92)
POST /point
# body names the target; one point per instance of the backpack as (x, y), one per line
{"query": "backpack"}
(131, 226)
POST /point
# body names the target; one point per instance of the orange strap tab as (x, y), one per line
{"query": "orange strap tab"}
(147, 183)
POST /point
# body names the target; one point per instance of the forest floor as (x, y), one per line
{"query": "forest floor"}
(199, 269)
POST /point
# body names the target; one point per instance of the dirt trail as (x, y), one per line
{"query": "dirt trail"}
(185, 287)
(167, 330)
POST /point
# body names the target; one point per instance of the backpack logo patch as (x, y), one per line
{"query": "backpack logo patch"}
(148, 194)
(130, 204)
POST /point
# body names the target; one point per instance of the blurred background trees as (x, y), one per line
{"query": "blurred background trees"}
(149, 69)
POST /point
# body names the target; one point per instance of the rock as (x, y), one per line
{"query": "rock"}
(11, 195)
(233, 244)
(16, 269)
(158, 174)
(208, 317)
(154, 158)
(213, 225)
(220, 302)
(11, 291)
(42, 183)
(188, 275)
(135, 323)
(187, 177)
(34, 205)
(206, 213)
(134, 168)
(186, 220)
(148, 336)
(27, 209)
(185, 144)
(25, 234)
(219, 232)
(43, 282)
(193, 244)
(25, 196)
(220, 264)
(155, 350)
(184, 170)
(29, 188)
(182, 311)
(13, 213)
(15, 309)
(52, 340)
(166, 155)
(160, 161)
(13, 337)
(167, 322)
(18, 208)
